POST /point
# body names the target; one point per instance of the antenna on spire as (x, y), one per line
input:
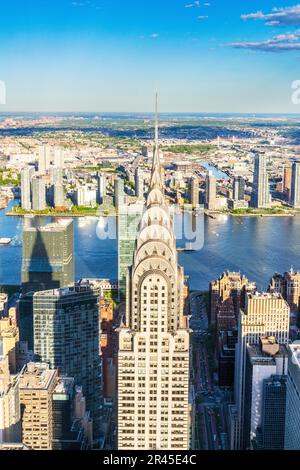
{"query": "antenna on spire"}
(156, 118)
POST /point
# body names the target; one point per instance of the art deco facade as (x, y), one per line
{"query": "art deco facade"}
(153, 358)
(288, 285)
(229, 286)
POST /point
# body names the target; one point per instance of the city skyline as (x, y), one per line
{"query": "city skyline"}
(92, 56)
(150, 252)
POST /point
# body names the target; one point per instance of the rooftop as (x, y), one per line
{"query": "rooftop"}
(295, 350)
(264, 295)
(79, 288)
(36, 376)
(258, 356)
(59, 225)
(64, 385)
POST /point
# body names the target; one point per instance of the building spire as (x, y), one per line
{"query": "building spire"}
(156, 177)
(156, 120)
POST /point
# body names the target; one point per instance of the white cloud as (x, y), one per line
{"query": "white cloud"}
(195, 4)
(150, 36)
(289, 16)
(280, 43)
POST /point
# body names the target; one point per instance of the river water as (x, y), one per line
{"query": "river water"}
(256, 246)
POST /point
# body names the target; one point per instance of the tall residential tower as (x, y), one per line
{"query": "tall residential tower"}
(261, 197)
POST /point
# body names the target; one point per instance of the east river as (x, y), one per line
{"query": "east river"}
(256, 246)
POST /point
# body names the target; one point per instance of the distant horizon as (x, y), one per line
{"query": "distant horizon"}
(151, 113)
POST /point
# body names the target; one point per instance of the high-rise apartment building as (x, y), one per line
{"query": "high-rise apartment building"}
(45, 158)
(26, 177)
(67, 337)
(139, 179)
(238, 193)
(295, 185)
(10, 418)
(265, 314)
(119, 193)
(101, 190)
(261, 197)
(37, 383)
(292, 421)
(58, 157)
(194, 192)
(38, 194)
(85, 196)
(211, 192)
(57, 190)
(287, 181)
(153, 357)
(48, 261)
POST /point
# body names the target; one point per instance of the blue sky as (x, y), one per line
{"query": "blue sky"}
(110, 55)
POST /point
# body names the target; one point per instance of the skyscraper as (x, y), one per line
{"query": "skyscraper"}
(47, 261)
(287, 181)
(229, 285)
(295, 189)
(71, 430)
(262, 362)
(292, 423)
(139, 178)
(288, 285)
(37, 383)
(26, 177)
(58, 157)
(38, 194)
(67, 337)
(211, 192)
(238, 189)
(57, 190)
(194, 192)
(129, 218)
(273, 412)
(261, 197)
(10, 417)
(265, 314)
(119, 196)
(9, 341)
(153, 357)
(101, 191)
(45, 158)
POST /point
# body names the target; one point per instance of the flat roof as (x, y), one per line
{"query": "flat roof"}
(36, 375)
(295, 350)
(59, 225)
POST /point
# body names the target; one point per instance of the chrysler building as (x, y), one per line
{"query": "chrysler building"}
(153, 356)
